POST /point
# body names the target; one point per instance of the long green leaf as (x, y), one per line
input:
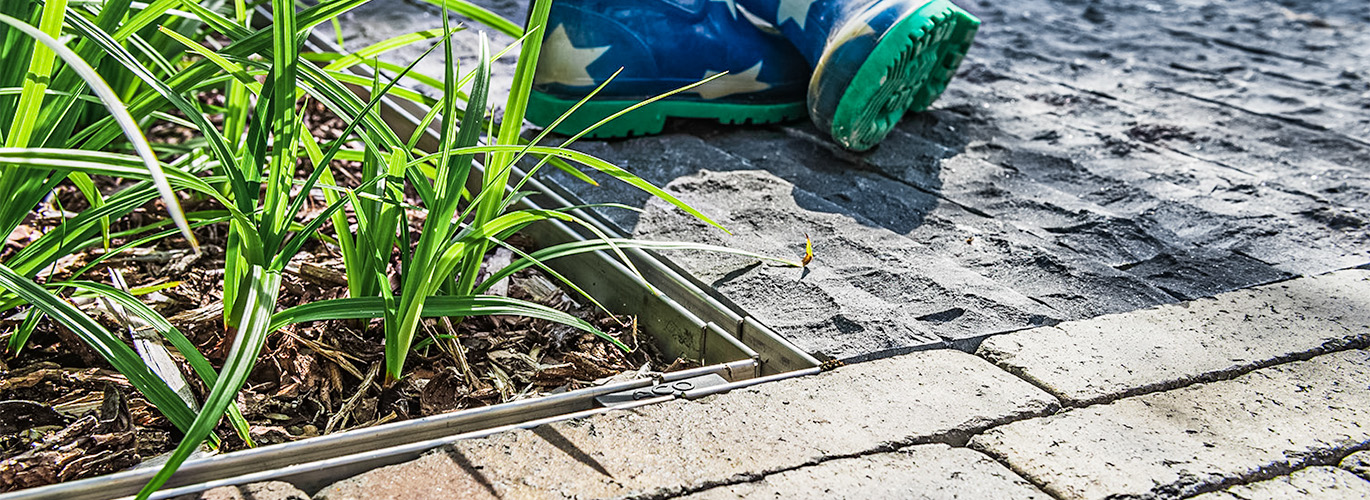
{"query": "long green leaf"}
(439, 306)
(580, 247)
(107, 345)
(258, 299)
(121, 115)
(383, 46)
(39, 69)
(422, 276)
(112, 164)
(481, 15)
(197, 361)
(597, 164)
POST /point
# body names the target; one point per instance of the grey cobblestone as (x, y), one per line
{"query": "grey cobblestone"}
(926, 472)
(1188, 440)
(1358, 464)
(688, 445)
(1322, 483)
(1169, 346)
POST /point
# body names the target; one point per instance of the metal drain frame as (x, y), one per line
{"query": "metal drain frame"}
(684, 319)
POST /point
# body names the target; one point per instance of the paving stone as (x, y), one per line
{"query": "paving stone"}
(268, 490)
(1107, 357)
(868, 289)
(1190, 440)
(1329, 483)
(689, 445)
(926, 472)
(1358, 463)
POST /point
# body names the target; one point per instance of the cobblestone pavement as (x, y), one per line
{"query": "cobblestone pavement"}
(1138, 222)
(1260, 420)
(1093, 157)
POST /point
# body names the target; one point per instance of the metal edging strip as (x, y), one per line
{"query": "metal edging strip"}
(311, 476)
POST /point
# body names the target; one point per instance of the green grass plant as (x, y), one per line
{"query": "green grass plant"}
(50, 101)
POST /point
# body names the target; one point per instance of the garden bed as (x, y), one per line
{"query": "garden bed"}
(312, 379)
(316, 393)
(284, 407)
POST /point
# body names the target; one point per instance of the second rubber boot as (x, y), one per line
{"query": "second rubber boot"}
(872, 60)
(662, 45)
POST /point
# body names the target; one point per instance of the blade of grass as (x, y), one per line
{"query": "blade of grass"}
(481, 15)
(183, 345)
(110, 347)
(259, 302)
(580, 247)
(39, 69)
(438, 306)
(121, 115)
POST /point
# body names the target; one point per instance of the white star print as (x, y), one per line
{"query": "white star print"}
(732, 6)
(565, 63)
(732, 83)
(793, 9)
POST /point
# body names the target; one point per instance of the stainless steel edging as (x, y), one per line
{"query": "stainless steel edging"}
(778, 355)
(312, 476)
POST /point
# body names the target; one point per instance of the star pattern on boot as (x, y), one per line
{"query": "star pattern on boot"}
(732, 83)
(565, 63)
(798, 10)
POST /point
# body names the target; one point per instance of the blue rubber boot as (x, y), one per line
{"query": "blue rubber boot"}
(873, 59)
(662, 45)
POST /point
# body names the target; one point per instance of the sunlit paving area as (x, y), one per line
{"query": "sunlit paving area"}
(703, 249)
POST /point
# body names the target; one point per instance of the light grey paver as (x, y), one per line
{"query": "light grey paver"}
(269, 490)
(926, 472)
(1323, 483)
(1186, 440)
(1358, 464)
(1103, 358)
(689, 445)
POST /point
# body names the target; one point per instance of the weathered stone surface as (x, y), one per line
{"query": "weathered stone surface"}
(1187, 440)
(1095, 157)
(926, 472)
(868, 289)
(1323, 483)
(1111, 356)
(1358, 463)
(268, 490)
(688, 445)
